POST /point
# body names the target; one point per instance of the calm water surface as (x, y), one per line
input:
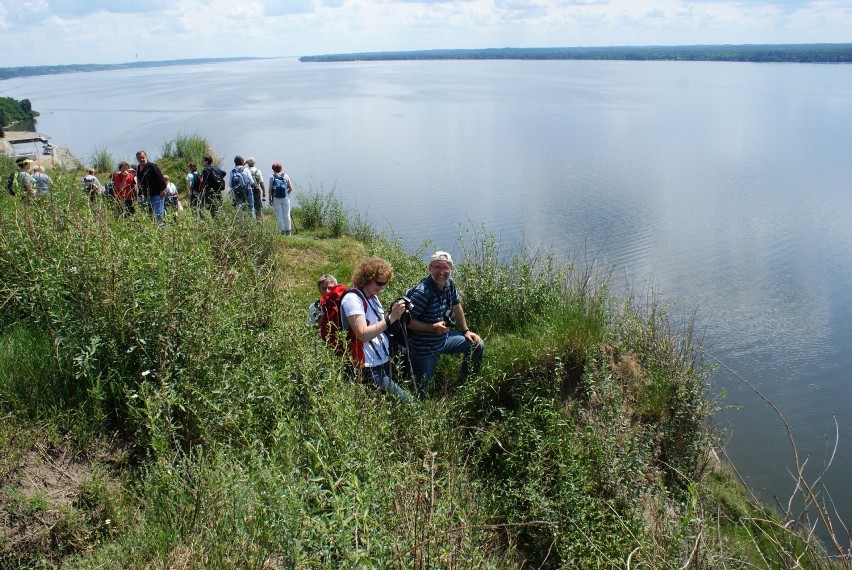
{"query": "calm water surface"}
(726, 187)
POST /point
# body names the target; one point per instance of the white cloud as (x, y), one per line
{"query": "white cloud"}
(285, 7)
(100, 31)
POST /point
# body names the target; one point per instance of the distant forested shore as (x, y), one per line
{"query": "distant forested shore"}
(10, 72)
(768, 53)
(780, 53)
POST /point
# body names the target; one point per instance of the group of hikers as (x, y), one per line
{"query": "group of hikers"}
(145, 184)
(31, 184)
(426, 322)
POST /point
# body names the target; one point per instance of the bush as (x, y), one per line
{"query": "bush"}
(188, 148)
(323, 211)
(124, 304)
(102, 161)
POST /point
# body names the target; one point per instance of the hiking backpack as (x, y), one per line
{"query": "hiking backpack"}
(240, 182)
(90, 185)
(331, 323)
(195, 182)
(280, 186)
(254, 175)
(215, 180)
(12, 182)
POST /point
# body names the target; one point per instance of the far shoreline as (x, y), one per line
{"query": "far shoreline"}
(749, 53)
(33, 70)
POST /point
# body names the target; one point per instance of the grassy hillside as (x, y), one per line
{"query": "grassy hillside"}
(164, 405)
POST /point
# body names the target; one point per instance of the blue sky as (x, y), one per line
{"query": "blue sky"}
(43, 32)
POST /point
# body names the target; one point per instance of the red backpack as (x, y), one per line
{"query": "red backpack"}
(331, 323)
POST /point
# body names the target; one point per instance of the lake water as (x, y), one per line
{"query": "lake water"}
(723, 186)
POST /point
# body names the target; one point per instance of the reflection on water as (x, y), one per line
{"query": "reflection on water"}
(726, 186)
(26, 126)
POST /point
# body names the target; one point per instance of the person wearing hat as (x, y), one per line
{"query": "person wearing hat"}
(435, 308)
(25, 179)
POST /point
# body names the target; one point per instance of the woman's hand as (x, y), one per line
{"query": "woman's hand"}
(397, 309)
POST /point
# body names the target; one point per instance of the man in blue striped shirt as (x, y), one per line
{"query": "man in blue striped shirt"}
(436, 306)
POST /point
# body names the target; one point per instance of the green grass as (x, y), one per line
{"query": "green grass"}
(235, 441)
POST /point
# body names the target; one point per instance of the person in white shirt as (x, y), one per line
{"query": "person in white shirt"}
(367, 321)
(257, 187)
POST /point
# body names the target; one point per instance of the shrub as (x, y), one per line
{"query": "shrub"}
(102, 161)
(322, 211)
(188, 148)
(124, 304)
(506, 291)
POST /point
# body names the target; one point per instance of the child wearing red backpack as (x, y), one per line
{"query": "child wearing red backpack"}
(315, 311)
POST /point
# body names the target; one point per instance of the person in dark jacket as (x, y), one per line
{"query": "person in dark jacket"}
(151, 185)
(212, 185)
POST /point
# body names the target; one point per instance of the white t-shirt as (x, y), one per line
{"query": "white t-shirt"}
(256, 176)
(377, 350)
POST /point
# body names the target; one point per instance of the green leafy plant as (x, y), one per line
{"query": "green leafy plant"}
(102, 161)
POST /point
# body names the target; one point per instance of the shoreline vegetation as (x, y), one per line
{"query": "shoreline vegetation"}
(13, 111)
(163, 404)
(754, 53)
(31, 70)
(768, 53)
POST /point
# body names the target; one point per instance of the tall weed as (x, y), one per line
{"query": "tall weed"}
(102, 161)
(322, 212)
(506, 291)
(124, 303)
(188, 148)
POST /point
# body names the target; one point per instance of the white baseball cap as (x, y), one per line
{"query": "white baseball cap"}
(442, 256)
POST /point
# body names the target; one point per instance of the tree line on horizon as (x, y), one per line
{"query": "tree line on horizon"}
(794, 53)
(756, 53)
(31, 70)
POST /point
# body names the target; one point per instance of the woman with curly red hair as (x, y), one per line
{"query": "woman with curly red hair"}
(367, 321)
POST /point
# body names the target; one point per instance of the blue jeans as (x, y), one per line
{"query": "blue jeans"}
(244, 201)
(455, 343)
(157, 206)
(380, 377)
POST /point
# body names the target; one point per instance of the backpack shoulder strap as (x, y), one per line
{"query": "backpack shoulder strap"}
(358, 292)
(363, 300)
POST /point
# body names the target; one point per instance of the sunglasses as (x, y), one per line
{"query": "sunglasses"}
(380, 283)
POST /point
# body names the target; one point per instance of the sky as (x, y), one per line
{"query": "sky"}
(53, 32)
